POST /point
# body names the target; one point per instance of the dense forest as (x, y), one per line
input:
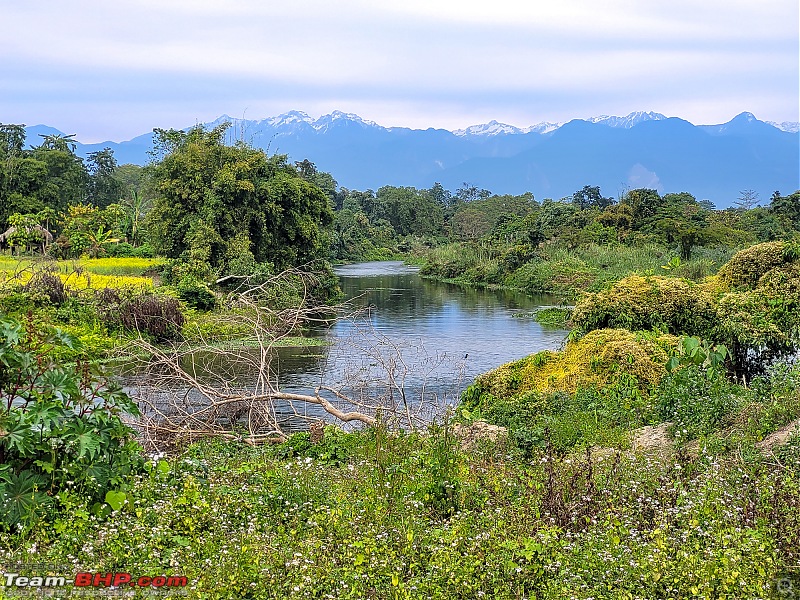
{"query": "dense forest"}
(656, 454)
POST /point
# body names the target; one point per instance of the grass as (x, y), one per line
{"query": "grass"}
(561, 508)
(381, 515)
(564, 271)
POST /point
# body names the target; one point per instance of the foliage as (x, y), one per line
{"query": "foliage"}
(596, 359)
(62, 428)
(695, 352)
(88, 230)
(644, 303)
(553, 268)
(196, 294)
(47, 284)
(333, 447)
(553, 316)
(210, 193)
(103, 188)
(155, 315)
(746, 267)
(576, 526)
(697, 401)
(751, 307)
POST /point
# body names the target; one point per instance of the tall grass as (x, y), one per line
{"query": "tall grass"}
(567, 271)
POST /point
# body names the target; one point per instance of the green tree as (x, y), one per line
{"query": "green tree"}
(643, 204)
(410, 211)
(469, 192)
(88, 229)
(64, 179)
(103, 187)
(209, 193)
(590, 197)
(787, 209)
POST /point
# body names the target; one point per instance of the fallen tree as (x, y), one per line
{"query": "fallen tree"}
(188, 391)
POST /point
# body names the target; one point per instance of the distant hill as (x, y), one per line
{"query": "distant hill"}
(642, 149)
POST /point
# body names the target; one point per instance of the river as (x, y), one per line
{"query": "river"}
(428, 334)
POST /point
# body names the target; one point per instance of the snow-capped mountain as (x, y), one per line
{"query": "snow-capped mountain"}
(543, 127)
(790, 126)
(629, 121)
(490, 128)
(551, 160)
(494, 128)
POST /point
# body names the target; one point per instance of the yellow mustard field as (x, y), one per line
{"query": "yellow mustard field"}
(97, 273)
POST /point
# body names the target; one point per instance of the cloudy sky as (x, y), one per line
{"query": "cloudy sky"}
(111, 70)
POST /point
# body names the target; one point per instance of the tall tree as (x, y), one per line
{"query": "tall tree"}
(787, 209)
(211, 195)
(590, 197)
(103, 187)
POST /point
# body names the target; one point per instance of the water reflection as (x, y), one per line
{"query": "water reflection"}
(480, 327)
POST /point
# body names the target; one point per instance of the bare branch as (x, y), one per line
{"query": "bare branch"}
(189, 391)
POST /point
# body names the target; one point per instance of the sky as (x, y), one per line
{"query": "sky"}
(112, 70)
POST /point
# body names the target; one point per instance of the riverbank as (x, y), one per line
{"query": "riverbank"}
(107, 303)
(560, 270)
(626, 464)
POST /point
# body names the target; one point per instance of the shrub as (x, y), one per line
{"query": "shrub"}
(331, 446)
(599, 358)
(196, 294)
(125, 250)
(697, 401)
(61, 426)
(746, 267)
(48, 285)
(158, 316)
(176, 270)
(644, 303)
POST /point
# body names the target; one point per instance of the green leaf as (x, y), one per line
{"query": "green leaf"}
(115, 499)
(17, 436)
(44, 465)
(66, 339)
(101, 510)
(21, 500)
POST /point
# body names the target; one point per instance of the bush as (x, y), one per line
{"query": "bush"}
(645, 303)
(176, 270)
(61, 430)
(125, 250)
(697, 401)
(746, 267)
(158, 316)
(196, 294)
(328, 445)
(48, 285)
(597, 359)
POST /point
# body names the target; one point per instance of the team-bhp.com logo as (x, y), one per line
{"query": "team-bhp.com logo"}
(94, 580)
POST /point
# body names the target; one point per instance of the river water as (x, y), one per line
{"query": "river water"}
(418, 333)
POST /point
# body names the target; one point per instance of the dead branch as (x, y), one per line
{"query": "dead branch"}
(188, 391)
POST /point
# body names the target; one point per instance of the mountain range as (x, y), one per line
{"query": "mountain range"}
(642, 149)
